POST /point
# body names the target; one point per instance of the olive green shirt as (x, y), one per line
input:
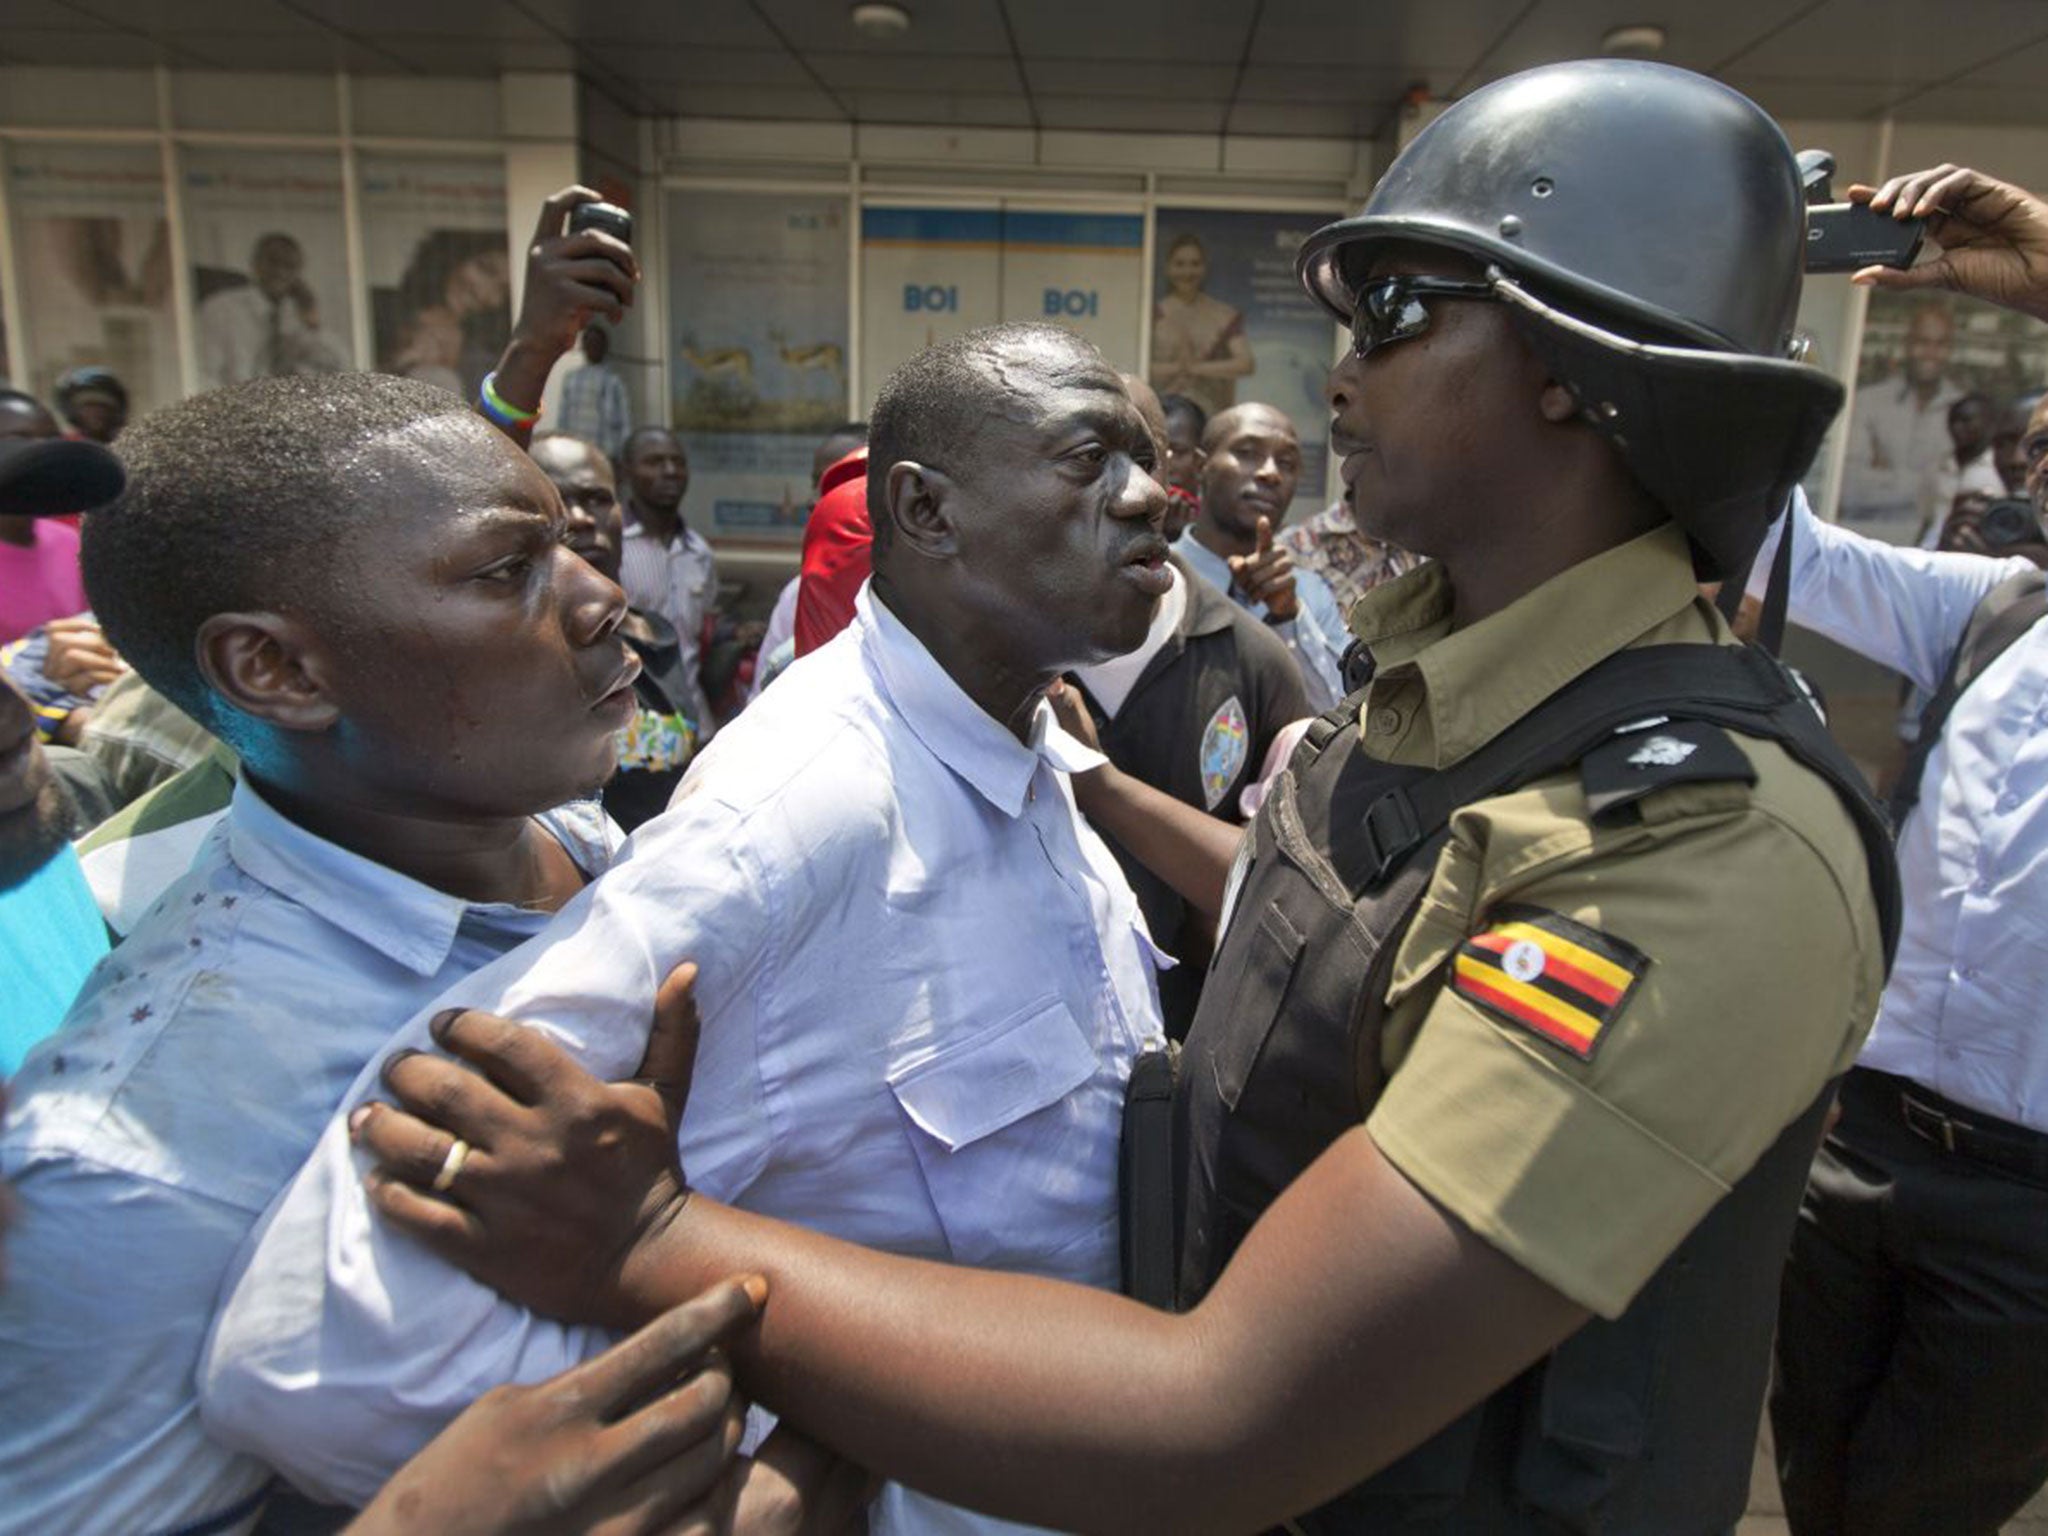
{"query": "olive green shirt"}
(1751, 903)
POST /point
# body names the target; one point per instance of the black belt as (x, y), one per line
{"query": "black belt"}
(1969, 1133)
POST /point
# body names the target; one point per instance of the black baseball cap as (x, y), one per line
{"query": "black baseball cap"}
(48, 477)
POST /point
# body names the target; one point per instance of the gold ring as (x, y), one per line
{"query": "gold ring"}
(451, 1165)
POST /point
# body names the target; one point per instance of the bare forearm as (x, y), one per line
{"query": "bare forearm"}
(1188, 849)
(1322, 1355)
(521, 379)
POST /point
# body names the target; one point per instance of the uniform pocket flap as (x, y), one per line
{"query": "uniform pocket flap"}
(1031, 1060)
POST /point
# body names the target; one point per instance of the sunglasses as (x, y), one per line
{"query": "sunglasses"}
(1392, 309)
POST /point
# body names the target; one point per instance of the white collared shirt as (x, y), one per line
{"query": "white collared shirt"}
(1315, 635)
(679, 581)
(190, 1079)
(923, 981)
(1966, 1009)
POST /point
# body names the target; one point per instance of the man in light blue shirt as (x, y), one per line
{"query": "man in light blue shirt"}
(1912, 1381)
(592, 401)
(360, 587)
(1252, 464)
(923, 978)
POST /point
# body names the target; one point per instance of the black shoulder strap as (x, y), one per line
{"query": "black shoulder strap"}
(1736, 686)
(2006, 612)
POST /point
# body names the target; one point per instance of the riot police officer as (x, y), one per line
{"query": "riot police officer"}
(1538, 962)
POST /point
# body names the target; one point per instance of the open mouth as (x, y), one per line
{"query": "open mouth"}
(1144, 564)
(618, 696)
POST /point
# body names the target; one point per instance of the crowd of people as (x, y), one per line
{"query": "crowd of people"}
(1106, 1012)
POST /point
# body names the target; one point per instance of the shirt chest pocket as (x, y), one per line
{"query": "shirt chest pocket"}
(1008, 1142)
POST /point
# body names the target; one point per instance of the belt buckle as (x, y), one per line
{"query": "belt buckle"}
(1914, 1113)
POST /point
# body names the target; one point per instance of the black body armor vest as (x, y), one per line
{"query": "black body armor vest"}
(1644, 1424)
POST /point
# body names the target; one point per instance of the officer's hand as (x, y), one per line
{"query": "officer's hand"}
(637, 1440)
(793, 1486)
(78, 658)
(1071, 711)
(1993, 236)
(1266, 575)
(565, 1174)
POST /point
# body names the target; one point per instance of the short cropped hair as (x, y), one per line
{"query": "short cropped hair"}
(639, 435)
(238, 500)
(1188, 411)
(929, 410)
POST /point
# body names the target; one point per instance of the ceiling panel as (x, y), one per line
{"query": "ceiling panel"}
(383, 21)
(1307, 119)
(462, 56)
(670, 23)
(949, 26)
(701, 66)
(95, 50)
(2020, 64)
(2009, 105)
(1908, 42)
(1306, 83)
(1130, 114)
(155, 16)
(978, 109)
(1699, 34)
(311, 49)
(743, 101)
(1784, 98)
(1411, 34)
(1175, 31)
(1130, 77)
(916, 72)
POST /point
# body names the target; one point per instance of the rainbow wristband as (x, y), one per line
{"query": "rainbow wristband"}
(501, 410)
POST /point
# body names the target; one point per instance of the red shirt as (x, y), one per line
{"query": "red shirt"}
(836, 541)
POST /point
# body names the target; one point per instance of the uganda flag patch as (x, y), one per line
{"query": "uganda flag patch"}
(1561, 979)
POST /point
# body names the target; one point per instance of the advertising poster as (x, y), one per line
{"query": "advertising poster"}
(439, 268)
(1231, 325)
(757, 318)
(929, 273)
(265, 236)
(1921, 355)
(94, 264)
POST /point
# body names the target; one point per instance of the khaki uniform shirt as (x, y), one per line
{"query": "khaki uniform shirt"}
(1751, 905)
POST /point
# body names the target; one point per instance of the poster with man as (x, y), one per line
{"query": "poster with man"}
(1231, 325)
(1934, 376)
(757, 322)
(439, 266)
(266, 237)
(93, 262)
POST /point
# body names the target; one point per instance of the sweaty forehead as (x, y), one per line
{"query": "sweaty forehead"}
(448, 464)
(1259, 422)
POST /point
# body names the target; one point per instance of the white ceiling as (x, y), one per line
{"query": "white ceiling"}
(1336, 68)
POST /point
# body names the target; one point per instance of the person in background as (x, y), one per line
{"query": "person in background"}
(93, 403)
(50, 931)
(268, 327)
(1199, 345)
(665, 565)
(1970, 469)
(593, 404)
(1185, 424)
(2005, 442)
(778, 643)
(1351, 561)
(39, 578)
(1251, 463)
(1911, 1392)
(838, 546)
(656, 745)
(1898, 427)
(63, 667)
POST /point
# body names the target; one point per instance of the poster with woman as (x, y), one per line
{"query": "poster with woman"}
(439, 266)
(265, 235)
(94, 267)
(1230, 324)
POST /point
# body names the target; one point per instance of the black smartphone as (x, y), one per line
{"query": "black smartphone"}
(1846, 237)
(609, 217)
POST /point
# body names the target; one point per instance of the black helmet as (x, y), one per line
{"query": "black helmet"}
(1649, 225)
(90, 380)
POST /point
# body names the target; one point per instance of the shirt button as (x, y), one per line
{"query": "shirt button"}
(1386, 720)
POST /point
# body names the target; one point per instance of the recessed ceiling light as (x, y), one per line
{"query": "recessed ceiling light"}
(1643, 41)
(880, 20)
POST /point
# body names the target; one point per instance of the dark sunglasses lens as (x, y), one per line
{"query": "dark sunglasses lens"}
(1387, 312)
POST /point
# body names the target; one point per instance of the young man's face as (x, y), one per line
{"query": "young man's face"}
(1930, 335)
(658, 471)
(1969, 428)
(590, 498)
(1253, 465)
(481, 673)
(2034, 454)
(1058, 514)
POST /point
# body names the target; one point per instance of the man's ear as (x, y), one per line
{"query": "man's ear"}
(917, 499)
(268, 666)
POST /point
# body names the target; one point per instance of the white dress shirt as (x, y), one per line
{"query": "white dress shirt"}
(1966, 1010)
(190, 1079)
(245, 335)
(1316, 635)
(923, 981)
(1895, 445)
(679, 581)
